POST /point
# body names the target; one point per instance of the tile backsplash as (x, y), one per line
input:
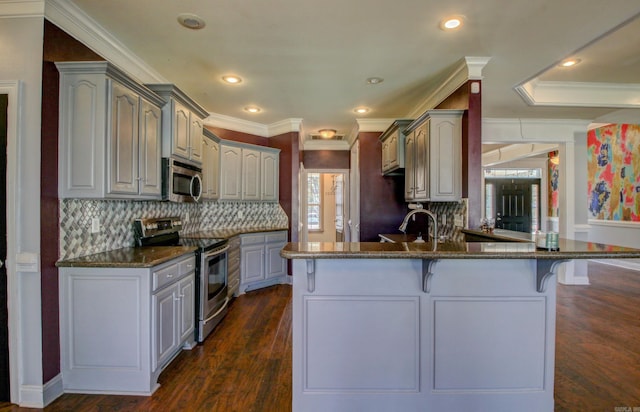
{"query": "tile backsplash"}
(116, 220)
(450, 210)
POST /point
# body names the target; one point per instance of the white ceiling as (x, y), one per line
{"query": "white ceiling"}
(309, 59)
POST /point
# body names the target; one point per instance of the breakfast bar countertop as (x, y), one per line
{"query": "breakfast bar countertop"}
(568, 249)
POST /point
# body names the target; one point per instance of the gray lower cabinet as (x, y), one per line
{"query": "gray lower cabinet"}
(120, 327)
(260, 261)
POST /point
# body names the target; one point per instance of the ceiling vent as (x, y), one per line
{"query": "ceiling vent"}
(319, 137)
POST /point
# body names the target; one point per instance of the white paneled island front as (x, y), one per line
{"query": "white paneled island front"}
(401, 327)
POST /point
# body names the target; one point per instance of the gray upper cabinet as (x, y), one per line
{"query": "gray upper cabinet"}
(210, 166)
(270, 172)
(182, 124)
(109, 134)
(393, 142)
(248, 172)
(230, 171)
(433, 153)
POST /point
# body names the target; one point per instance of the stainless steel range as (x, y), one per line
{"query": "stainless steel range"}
(211, 267)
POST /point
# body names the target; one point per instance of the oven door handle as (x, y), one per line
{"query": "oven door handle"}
(216, 252)
(224, 306)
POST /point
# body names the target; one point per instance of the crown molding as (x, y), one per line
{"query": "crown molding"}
(21, 8)
(579, 94)
(469, 68)
(373, 125)
(284, 126)
(71, 19)
(475, 65)
(258, 129)
(238, 125)
(496, 130)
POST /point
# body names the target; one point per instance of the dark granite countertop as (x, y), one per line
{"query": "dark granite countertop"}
(502, 235)
(129, 257)
(144, 257)
(568, 249)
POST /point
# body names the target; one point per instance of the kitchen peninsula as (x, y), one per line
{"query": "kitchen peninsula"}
(400, 326)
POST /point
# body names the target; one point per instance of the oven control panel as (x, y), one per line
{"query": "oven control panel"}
(148, 227)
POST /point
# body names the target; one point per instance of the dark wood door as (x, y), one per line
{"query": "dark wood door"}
(4, 316)
(513, 203)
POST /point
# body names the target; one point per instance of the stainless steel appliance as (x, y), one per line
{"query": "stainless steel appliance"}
(181, 182)
(211, 267)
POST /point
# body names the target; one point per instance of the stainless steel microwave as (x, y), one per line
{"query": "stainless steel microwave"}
(181, 182)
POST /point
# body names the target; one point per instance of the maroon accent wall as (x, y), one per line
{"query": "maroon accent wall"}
(382, 205)
(60, 47)
(239, 136)
(57, 46)
(49, 218)
(288, 143)
(473, 157)
(326, 159)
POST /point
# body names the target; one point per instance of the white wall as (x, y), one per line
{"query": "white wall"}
(614, 233)
(21, 60)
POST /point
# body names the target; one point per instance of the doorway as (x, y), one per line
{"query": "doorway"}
(514, 203)
(324, 205)
(4, 314)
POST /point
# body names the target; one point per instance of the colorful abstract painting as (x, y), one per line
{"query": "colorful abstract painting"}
(554, 193)
(614, 172)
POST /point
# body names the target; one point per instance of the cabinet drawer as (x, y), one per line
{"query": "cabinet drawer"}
(165, 276)
(186, 266)
(252, 239)
(280, 237)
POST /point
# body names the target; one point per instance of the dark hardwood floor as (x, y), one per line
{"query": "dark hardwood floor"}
(246, 364)
(598, 342)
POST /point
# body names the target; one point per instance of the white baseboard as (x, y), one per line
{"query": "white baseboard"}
(623, 263)
(39, 396)
(53, 389)
(575, 280)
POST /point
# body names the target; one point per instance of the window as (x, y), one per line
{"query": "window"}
(512, 173)
(535, 207)
(314, 202)
(489, 200)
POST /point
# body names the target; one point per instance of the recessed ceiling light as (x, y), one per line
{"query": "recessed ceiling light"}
(231, 79)
(375, 80)
(361, 110)
(569, 62)
(191, 21)
(252, 109)
(327, 133)
(451, 23)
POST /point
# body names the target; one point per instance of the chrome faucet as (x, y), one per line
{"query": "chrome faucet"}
(405, 222)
